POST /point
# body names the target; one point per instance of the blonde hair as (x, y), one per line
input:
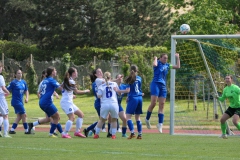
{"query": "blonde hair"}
(107, 77)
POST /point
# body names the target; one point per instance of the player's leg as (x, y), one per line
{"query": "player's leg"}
(79, 122)
(122, 116)
(154, 88)
(161, 101)
(223, 120)
(15, 124)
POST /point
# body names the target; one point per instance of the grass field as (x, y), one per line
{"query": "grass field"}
(152, 146)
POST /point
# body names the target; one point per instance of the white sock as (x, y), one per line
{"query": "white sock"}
(1, 121)
(36, 123)
(6, 126)
(114, 131)
(68, 126)
(79, 123)
(98, 130)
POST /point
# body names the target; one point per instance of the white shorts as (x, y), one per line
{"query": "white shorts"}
(113, 109)
(68, 107)
(3, 106)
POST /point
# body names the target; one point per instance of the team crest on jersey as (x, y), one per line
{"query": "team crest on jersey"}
(70, 109)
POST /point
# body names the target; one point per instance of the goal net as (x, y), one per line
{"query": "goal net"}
(205, 61)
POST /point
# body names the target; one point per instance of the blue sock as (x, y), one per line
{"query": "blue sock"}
(92, 126)
(59, 128)
(53, 127)
(14, 126)
(124, 130)
(25, 125)
(109, 126)
(130, 125)
(0, 128)
(139, 127)
(103, 126)
(148, 115)
(160, 117)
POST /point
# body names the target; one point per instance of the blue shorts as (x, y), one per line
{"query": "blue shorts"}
(134, 105)
(49, 109)
(120, 108)
(98, 110)
(19, 109)
(158, 89)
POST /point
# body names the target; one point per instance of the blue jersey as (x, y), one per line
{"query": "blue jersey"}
(120, 97)
(97, 102)
(47, 88)
(160, 72)
(18, 88)
(135, 88)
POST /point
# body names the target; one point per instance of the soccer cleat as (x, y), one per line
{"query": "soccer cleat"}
(1, 134)
(148, 124)
(6, 136)
(104, 130)
(113, 136)
(119, 130)
(124, 135)
(85, 132)
(30, 126)
(109, 135)
(159, 126)
(66, 136)
(96, 136)
(27, 133)
(90, 133)
(55, 134)
(139, 137)
(78, 134)
(132, 135)
(52, 136)
(12, 132)
(224, 136)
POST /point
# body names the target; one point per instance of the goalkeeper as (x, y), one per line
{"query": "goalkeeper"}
(232, 93)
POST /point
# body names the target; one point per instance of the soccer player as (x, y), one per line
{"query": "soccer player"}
(47, 88)
(3, 104)
(46, 119)
(134, 103)
(96, 74)
(67, 105)
(232, 93)
(109, 105)
(18, 87)
(122, 115)
(158, 87)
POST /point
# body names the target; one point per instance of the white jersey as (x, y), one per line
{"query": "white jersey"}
(99, 81)
(67, 95)
(107, 92)
(2, 84)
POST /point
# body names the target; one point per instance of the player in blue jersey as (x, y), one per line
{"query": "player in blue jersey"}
(18, 87)
(48, 86)
(97, 73)
(67, 105)
(122, 115)
(134, 104)
(3, 104)
(158, 87)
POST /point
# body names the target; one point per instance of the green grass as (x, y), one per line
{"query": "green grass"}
(152, 146)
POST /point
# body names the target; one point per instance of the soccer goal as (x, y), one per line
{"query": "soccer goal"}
(205, 61)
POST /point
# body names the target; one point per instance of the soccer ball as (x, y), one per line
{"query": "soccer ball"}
(184, 28)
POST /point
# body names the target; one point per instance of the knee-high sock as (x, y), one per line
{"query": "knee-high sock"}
(68, 126)
(223, 128)
(130, 125)
(139, 127)
(79, 123)
(160, 117)
(148, 115)
(6, 126)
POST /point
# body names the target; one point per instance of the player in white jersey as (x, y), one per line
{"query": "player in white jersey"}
(69, 86)
(3, 104)
(109, 105)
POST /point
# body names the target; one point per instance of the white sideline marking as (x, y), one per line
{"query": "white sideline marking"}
(113, 153)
